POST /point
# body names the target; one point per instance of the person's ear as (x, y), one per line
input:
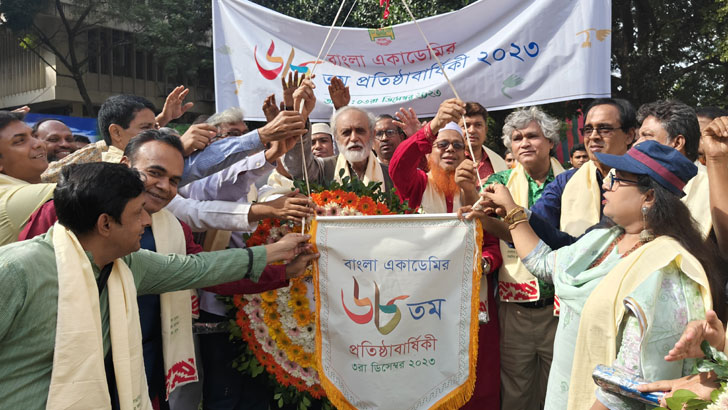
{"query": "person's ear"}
(631, 136)
(678, 143)
(103, 225)
(115, 132)
(125, 160)
(649, 200)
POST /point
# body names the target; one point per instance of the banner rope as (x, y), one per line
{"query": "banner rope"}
(452, 87)
(300, 108)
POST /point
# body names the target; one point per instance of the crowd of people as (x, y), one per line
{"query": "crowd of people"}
(613, 261)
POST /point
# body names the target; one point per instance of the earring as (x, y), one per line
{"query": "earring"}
(645, 235)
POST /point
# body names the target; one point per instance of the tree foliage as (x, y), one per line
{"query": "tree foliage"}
(365, 13)
(670, 50)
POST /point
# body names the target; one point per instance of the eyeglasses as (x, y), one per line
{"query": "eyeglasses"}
(602, 130)
(231, 133)
(389, 133)
(456, 145)
(613, 178)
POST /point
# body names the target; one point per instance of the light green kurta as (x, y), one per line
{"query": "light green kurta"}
(29, 298)
(668, 300)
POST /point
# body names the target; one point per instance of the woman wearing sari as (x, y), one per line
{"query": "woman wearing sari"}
(626, 291)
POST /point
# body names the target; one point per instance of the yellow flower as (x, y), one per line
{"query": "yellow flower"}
(269, 296)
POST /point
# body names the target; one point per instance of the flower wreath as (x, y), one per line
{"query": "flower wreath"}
(279, 326)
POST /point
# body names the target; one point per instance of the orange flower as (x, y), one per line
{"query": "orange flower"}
(349, 199)
(337, 195)
(325, 197)
(316, 197)
(382, 209)
(366, 205)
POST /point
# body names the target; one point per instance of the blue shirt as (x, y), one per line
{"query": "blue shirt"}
(220, 155)
(546, 212)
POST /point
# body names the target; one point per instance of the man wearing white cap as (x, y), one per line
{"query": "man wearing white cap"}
(322, 141)
(442, 142)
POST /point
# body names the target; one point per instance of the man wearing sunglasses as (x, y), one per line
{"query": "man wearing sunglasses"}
(441, 141)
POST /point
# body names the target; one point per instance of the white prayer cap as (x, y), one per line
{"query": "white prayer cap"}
(321, 128)
(451, 126)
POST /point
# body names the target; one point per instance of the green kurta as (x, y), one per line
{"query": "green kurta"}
(546, 290)
(29, 299)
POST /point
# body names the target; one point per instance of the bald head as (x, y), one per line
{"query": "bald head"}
(57, 138)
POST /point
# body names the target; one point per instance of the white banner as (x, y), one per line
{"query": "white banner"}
(502, 54)
(397, 302)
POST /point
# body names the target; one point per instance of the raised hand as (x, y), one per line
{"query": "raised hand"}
(407, 121)
(305, 93)
(339, 93)
(285, 125)
(450, 110)
(466, 177)
(289, 87)
(270, 109)
(197, 137)
(715, 139)
(173, 105)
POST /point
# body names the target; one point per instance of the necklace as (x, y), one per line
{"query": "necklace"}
(607, 251)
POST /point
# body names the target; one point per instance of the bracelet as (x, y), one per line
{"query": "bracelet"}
(516, 214)
(514, 224)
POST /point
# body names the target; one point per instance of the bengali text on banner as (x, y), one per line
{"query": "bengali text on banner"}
(397, 301)
(502, 54)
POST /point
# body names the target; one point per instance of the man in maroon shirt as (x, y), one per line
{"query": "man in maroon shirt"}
(443, 143)
(476, 119)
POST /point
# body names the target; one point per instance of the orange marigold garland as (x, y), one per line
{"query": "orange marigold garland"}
(279, 325)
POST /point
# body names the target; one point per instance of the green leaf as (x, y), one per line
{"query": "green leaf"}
(679, 398)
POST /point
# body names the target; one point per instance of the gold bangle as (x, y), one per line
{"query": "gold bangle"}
(515, 214)
(514, 224)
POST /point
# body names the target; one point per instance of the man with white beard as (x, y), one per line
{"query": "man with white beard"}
(354, 135)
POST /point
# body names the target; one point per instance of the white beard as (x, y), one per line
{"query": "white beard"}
(356, 156)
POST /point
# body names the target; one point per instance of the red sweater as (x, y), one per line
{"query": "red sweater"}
(412, 181)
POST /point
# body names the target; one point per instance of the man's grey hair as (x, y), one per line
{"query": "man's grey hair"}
(521, 118)
(231, 115)
(335, 116)
(677, 119)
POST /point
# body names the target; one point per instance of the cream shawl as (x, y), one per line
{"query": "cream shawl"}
(176, 309)
(604, 310)
(697, 199)
(515, 282)
(78, 378)
(372, 173)
(498, 163)
(433, 201)
(581, 201)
